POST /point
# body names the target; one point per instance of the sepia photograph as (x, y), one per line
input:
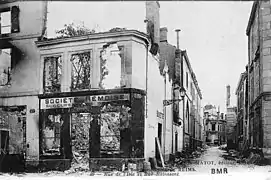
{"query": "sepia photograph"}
(169, 89)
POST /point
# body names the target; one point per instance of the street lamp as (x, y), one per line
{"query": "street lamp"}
(167, 102)
(182, 92)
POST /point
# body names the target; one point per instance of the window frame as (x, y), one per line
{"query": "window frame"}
(70, 54)
(42, 137)
(4, 10)
(14, 20)
(9, 69)
(44, 74)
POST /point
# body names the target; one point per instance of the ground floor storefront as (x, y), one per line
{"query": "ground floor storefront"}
(102, 126)
(48, 131)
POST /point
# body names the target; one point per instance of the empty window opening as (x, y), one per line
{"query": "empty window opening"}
(114, 133)
(5, 66)
(80, 135)
(51, 134)
(81, 70)
(112, 67)
(52, 74)
(213, 127)
(5, 22)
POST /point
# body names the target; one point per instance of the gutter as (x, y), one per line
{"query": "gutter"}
(147, 68)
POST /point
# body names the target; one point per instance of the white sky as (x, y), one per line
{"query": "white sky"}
(213, 33)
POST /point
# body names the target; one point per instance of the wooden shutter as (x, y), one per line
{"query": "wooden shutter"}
(15, 23)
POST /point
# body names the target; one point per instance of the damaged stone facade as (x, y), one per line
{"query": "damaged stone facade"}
(107, 115)
(259, 79)
(242, 112)
(22, 23)
(96, 98)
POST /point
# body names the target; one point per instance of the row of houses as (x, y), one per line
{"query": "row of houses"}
(111, 95)
(254, 85)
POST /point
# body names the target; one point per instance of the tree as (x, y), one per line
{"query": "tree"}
(73, 29)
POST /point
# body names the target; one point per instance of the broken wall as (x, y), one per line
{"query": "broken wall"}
(32, 122)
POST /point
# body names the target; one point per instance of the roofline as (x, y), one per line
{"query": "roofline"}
(251, 17)
(184, 53)
(99, 35)
(241, 79)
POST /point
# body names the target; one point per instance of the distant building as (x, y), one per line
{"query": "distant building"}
(231, 119)
(215, 125)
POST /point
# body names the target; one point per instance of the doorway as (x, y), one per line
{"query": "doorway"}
(80, 128)
(176, 142)
(160, 133)
(4, 142)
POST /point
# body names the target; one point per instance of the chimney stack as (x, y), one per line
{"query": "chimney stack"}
(163, 34)
(177, 31)
(228, 95)
(153, 17)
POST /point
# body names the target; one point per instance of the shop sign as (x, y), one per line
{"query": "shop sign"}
(109, 97)
(159, 114)
(50, 103)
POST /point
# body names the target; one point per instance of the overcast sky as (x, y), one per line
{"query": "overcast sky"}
(213, 33)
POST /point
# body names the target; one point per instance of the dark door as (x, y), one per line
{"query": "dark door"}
(160, 133)
(94, 134)
(176, 142)
(4, 141)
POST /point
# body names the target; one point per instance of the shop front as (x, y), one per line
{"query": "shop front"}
(100, 126)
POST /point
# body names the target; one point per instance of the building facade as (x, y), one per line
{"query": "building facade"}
(100, 94)
(192, 112)
(22, 25)
(242, 112)
(187, 113)
(215, 125)
(259, 78)
(84, 93)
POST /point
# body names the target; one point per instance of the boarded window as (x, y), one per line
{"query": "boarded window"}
(81, 70)
(52, 73)
(5, 66)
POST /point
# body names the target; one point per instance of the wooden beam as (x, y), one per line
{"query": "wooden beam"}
(160, 153)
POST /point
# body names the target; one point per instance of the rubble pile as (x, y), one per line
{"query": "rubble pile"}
(182, 159)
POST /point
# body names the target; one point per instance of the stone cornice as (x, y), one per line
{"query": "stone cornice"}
(93, 36)
(252, 16)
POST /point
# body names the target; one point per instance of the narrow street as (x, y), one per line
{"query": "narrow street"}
(210, 162)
